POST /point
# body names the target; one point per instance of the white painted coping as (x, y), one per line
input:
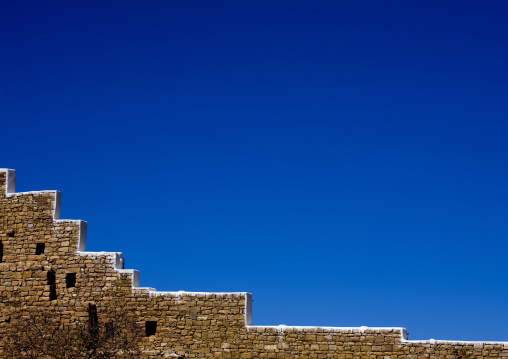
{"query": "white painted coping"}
(117, 259)
(10, 191)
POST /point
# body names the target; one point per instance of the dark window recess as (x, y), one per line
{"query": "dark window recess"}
(11, 234)
(70, 280)
(93, 321)
(52, 292)
(52, 284)
(150, 328)
(39, 249)
(1, 252)
(51, 277)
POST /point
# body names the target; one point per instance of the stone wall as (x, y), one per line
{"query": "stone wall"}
(36, 245)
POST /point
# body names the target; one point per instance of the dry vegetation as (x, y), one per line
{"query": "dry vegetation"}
(48, 333)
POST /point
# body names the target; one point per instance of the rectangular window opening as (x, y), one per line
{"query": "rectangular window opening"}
(51, 277)
(93, 320)
(39, 249)
(52, 284)
(70, 280)
(150, 328)
(11, 234)
(52, 292)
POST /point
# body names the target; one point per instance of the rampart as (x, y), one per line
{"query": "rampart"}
(35, 242)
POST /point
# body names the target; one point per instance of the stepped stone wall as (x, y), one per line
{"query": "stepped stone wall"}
(35, 242)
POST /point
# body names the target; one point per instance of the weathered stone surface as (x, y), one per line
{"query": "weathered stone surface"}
(197, 325)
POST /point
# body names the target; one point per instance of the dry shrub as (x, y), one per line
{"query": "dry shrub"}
(54, 333)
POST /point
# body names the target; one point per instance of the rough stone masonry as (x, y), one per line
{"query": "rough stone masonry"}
(37, 247)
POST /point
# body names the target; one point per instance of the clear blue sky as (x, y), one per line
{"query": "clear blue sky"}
(344, 161)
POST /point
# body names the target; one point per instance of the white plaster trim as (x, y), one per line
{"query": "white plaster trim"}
(56, 209)
(454, 342)
(361, 329)
(10, 180)
(115, 257)
(117, 260)
(134, 275)
(30, 192)
(83, 227)
(248, 309)
(56, 206)
(10, 191)
(195, 294)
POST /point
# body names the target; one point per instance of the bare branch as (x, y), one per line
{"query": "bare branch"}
(50, 333)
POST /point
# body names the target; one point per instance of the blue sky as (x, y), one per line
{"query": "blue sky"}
(344, 161)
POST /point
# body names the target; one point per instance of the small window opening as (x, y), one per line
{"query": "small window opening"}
(52, 292)
(51, 277)
(39, 249)
(11, 234)
(52, 284)
(93, 320)
(1, 252)
(70, 280)
(93, 324)
(150, 328)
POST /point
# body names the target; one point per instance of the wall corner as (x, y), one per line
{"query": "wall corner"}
(58, 201)
(82, 236)
(9, 186)
(248, 308)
